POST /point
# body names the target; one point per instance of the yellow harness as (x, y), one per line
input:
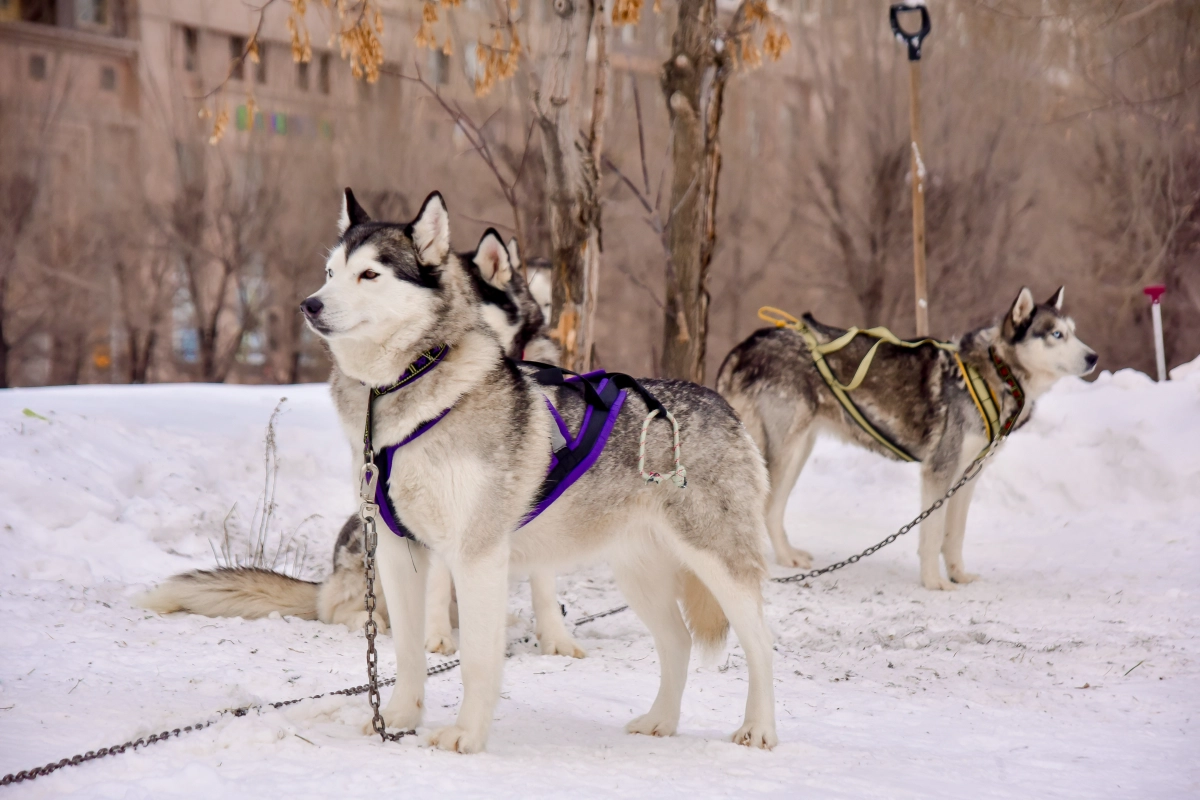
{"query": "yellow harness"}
(985, 400)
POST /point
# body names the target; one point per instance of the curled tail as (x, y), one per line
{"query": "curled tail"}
(705, 619)
(234, 592)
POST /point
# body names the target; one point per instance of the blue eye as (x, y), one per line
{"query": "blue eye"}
(1057, 334)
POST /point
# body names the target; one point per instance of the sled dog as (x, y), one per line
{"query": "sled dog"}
(468, 450)
(514, 316)
(918, 398)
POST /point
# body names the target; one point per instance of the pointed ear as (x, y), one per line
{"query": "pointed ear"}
(352, 213)
(1056, 299)
(491, 258)
(514, 255)
(430, 231)
(1016, 323)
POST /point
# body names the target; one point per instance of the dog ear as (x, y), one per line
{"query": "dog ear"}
(492, 259)
(514, 254)
(352, 213)
(1057, 299)
(430, 231)
(1016, 322)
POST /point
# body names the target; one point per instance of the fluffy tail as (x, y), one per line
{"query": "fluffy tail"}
(704, 616)
(234, 592)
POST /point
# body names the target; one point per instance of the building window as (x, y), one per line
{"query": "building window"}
(323, 74)
(439, 67)
(191, 49)
(302, 75)
(108, 79)
(92, 13)
(237, 49)
(260, 69)
(37, 67)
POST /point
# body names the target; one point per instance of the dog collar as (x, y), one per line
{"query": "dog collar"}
(1009, 379)
(412, 373)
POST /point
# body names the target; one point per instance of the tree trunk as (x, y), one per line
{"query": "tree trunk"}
(3, 337)
(694, 84)
(571, 179)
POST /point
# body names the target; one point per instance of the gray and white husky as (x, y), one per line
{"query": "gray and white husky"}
(514, 315)
(916, 397)
(394, 292)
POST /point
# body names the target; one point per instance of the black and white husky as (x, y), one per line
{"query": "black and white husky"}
(463, 487)
(514, 314)
(916, 397)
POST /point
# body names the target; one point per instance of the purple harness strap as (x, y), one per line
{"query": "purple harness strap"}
(386, 512)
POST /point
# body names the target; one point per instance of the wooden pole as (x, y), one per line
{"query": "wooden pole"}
(918, 200)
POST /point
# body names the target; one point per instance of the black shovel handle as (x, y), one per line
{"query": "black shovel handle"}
(913, 40)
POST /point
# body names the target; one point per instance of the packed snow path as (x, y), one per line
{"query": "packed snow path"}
(1069, 670)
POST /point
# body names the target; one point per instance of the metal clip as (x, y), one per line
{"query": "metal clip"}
(368, 477)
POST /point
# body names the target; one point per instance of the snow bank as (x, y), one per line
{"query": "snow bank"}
(1069, 670)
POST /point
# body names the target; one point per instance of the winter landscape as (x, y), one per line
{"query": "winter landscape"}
(1069, 670)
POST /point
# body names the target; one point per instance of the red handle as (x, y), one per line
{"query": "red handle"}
(1154, 291)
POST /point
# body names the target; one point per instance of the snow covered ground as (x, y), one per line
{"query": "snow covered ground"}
(1070, 670)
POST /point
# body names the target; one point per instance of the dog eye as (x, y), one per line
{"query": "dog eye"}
(1057, 334)
(372, 275)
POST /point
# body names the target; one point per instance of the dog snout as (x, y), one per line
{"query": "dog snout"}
(1092, 359)
(311, 307)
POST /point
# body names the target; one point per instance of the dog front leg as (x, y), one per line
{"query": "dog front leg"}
(548, 620)
(956, 531)
(481, 582)
(402, 566)
(934, 484)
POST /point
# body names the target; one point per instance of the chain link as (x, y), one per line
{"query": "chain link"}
(971, 473)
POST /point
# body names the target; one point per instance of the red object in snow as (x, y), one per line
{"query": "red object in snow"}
(1154, 291)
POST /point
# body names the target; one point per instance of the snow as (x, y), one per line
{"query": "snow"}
(1069, 670)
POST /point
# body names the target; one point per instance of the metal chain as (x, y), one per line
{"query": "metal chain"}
(971, 473)
(366, 512)
(146, 741)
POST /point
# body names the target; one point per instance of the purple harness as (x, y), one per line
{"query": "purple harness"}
(569, 460)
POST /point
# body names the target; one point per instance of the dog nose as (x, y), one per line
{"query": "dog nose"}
(1092, 359)
(311, 307)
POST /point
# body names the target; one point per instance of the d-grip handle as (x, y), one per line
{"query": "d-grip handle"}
(913, 40)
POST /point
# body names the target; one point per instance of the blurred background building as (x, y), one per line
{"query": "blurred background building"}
(165, 202)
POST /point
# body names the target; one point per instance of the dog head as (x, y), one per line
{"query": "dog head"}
(508, 307)
(1041, 340)
(390, 287)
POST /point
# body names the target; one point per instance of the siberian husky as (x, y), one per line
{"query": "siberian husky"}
(514, 315)
(463, 487)
(916, 397)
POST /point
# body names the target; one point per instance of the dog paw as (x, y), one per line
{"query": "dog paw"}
(441, 643)
(938, 583)
(560, 644)
(458, 740)
(959, 576)
(653, 725)
(399, 714)
(792, 557)
(754, 734)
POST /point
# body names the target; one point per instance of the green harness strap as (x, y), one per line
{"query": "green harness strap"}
(981, 393)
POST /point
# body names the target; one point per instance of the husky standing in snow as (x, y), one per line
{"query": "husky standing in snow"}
(514, 314)
(917, 398)
(466, 450)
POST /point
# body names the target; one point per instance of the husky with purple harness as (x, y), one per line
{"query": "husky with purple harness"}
(493, 484)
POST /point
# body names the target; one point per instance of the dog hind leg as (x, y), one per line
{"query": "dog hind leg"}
(785, 461)
(553, 638)
(403, 566)
(439, 635)
(650, 586)
(740, 598)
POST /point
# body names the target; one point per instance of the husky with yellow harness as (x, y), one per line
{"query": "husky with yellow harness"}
(940, 403)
